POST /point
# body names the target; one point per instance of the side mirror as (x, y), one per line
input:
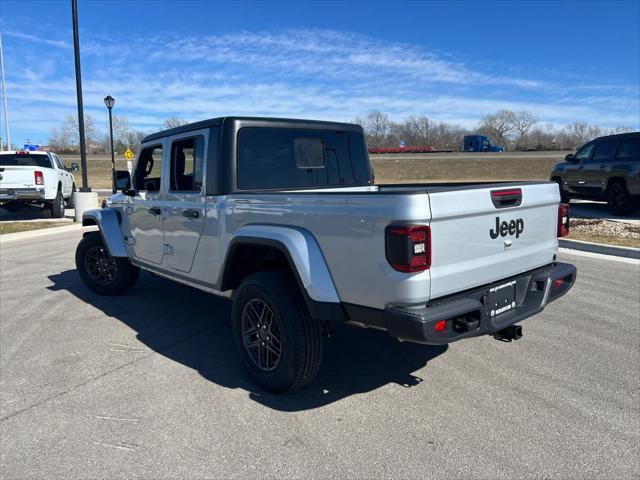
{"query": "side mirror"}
(571, 158)
(123, 181)
(74, 167)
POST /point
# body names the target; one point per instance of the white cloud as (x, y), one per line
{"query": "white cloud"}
(314, 74)
(36, 39)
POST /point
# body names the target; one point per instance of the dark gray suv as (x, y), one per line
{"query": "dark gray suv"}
(607, 168)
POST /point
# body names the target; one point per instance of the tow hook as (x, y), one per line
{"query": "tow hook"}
(512, 332)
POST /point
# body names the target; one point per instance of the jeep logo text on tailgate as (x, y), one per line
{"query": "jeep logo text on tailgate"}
(507, 228)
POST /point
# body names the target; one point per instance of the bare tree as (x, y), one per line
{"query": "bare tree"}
(174, 122)
(539, 138)
(498, 126)
(134, 139)
(378, 127)
(523, 121)
(66, 137)
(520, 130)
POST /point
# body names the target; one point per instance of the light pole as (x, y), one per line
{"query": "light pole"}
(76, 52)
(4, 99)
(109, 102)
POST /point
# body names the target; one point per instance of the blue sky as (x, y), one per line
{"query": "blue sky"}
(451, 61)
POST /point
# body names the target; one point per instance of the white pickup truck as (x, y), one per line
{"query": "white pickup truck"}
(35, 177)
(284, 216)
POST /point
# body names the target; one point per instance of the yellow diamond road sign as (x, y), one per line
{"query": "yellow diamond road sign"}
(128, 154)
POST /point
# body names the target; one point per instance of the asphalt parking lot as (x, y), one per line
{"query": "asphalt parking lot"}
(148, 385)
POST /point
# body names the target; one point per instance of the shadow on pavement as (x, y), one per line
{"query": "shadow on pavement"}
(31, 213)
(193, 328)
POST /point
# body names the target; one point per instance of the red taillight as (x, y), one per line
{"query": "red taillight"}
(39, 177)
(408, 247)
(563, 220)
(441, 325)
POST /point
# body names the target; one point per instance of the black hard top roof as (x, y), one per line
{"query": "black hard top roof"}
(257, 122)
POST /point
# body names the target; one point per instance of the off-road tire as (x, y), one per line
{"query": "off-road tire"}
(57, 206)
(301, 336)
(117, 274)
(70, 203)
(618, 199)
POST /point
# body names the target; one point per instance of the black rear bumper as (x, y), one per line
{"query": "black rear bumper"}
(470, 313)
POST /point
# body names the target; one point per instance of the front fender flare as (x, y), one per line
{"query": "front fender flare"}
(107, 221)
(303, 251)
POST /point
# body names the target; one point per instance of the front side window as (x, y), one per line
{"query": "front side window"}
(585, 152)
(629, 148)
(276, 158)
(603, 151)
(187, 164)
(148, 172)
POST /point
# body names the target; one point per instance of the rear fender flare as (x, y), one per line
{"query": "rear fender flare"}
(302, 251)
(109, 224)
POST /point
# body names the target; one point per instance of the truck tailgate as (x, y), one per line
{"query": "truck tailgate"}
(481, 234)
(17, 177)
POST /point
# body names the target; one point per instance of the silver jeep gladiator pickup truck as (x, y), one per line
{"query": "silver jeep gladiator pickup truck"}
(284, 216)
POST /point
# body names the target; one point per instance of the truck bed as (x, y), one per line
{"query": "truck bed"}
(351, 221)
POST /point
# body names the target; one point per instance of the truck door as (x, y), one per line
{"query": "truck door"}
(63, 175)
(597, 167)
(574, 177)
(145, 210)
(184, 206)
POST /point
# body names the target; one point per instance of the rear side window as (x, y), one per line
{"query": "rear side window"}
(25, 160)
(58, 161)
(603, 151)
(148, 173)
(270, 158)
(187, 163)
(629, 148)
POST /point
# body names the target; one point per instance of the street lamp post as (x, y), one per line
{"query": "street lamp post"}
(109, 102)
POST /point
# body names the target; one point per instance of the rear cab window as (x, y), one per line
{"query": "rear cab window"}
(278, 158)
(25, 160)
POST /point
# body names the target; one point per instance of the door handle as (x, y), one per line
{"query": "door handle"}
(154, 210)
(190, 213)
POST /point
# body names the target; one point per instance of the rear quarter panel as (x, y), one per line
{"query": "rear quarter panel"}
(350, 230)
(629, 171)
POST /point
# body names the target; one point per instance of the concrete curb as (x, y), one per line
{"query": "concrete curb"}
(12, 237)
(627, 252)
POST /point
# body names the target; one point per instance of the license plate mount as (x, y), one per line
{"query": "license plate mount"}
(502, 298)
